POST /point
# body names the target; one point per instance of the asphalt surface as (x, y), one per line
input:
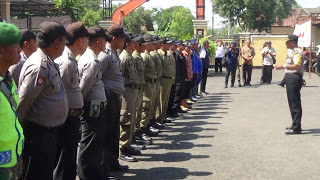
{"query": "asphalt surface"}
(237, 133)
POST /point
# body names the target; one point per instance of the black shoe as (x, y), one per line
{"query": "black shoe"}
(128, 158)
(144, 139)
(120, 168)
(131, 151)
(158, 126)
(225, 86)
(174, 115)
(152, 132)
(239, 85)
(182, 111)
(153, 129)
(167, 121)
(288, 128)
(110, 177)
(281, 84)
(232, 86)
(291, 132)
(138, 146)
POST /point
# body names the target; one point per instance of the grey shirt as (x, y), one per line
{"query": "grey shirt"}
(90, 77)
(41, 93)
(15, 69)
(111, 71)
(68, 67)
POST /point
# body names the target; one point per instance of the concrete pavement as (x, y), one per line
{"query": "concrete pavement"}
(237, 133)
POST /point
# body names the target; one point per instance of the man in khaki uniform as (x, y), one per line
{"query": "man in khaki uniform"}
(151, 77)
(140, 64)
(43, 102)
(155, 126)
(166, 78)
(28, 45)
(93, 124)
(128, 108)
(247, 53)
(77, 42)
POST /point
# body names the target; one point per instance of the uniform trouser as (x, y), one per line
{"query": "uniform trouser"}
(238, 74)
(111, 149)
(267, 73)
(157, 103)
(246, 73)
(171, 100)
(293, 86)
(148, 104)
(66, 159)
(186, 90)
(39, 152)
(139, 108)
(166, 84)
(12, 173)
(231, 69)
(218, 64)
(178, 96)
(93, 136)
(128, 117)
(203, 82)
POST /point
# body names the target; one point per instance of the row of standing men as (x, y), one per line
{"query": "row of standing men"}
(116, 100)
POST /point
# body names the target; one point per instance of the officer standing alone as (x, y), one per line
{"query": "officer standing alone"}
(293, 79)
(43, 102)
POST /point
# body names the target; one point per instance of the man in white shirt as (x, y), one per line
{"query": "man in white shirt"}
(219, 56)
(268, 53)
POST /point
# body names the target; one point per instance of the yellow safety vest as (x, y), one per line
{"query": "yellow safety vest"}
(11, 133)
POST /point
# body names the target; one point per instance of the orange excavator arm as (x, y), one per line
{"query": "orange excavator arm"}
(125, 9)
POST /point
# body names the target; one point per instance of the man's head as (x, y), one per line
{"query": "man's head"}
(194, 42)
(78, 37)
(174, 45)
(129, 44)
(291, 41)
(116, 36)
(10, 37)
(157, 42)
(188, 47)
(28, 42)
(248, 42)
(149, 45)
(52, 36)
(233, 44)
(181, 45)
(140, 44)
(268, 44)
(206, 44)
(165, 44)
(97, 39)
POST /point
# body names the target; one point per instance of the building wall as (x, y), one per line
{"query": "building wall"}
(278, 43)
(281, 30)
(316, 35)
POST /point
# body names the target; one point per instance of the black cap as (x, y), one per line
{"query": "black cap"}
(128, 37)
(156, 39)
(148, 39)
(179, 42)
(27, 34)
(50, 31)
(96, 32)
(165, 40)
(76, 30)
(292, 37)
(138, 39)
(116, 30)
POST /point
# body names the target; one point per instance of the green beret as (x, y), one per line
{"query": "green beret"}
(9, 34)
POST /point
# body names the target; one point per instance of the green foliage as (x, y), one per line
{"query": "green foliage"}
(175, 22)
(138, 18)
(212, 45)
(91, 17)
(254, 14)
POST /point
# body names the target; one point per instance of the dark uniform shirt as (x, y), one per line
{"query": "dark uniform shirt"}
(181, 67)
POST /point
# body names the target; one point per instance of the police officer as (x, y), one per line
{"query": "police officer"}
(93, 123)
(140, 64)
(11, 134)
(155, 126)
(43, 102)
(128, 108)
(293, 79)
(166, 78)
(114, 89)
(150, 77)
(77, 42)
(28, 45)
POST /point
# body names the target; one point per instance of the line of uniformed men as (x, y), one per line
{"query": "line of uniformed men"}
(137, 91)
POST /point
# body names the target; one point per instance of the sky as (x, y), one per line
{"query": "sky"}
(191, 4)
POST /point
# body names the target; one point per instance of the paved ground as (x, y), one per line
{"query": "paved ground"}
(237, 133)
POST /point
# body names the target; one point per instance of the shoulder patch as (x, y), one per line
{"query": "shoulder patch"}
(40, 80)
(44, 63)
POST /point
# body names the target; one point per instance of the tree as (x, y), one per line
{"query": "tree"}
(254, 14)
(175, 21)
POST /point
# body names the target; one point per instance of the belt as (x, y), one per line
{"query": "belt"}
(150, 80)
(75, 112)
(135, 86)
(167, 77)
(111, 94)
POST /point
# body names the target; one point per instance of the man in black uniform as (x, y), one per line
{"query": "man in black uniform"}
(293, 80)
